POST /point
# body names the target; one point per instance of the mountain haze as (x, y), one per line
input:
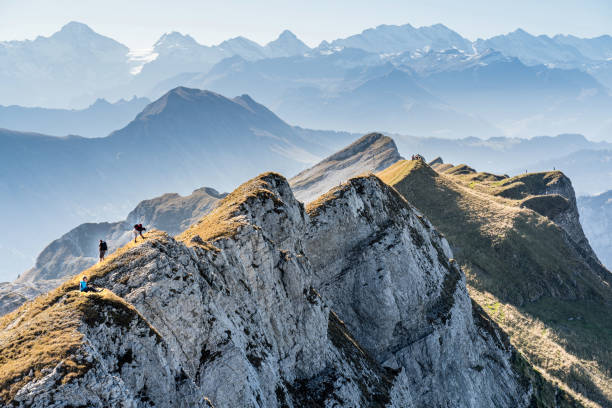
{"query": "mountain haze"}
(183, 140)
(596, 216)
(394, 39)
(433, 82)
(63, 69)
(98, 120)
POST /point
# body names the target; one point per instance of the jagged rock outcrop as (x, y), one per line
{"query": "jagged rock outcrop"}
(372, 152)
(552, 195)
(262, 303)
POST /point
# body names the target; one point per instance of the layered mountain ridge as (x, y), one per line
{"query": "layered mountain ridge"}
(261, 303)
(77, 249)
(97, 120)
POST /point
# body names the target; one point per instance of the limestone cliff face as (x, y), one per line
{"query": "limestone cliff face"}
(351, 302)
(523, 268)
(386, 271)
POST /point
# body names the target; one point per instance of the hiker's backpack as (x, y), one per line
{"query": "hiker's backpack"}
(103, 246)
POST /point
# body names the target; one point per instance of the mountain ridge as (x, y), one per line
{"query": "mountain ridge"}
(262, 264)
(508, 254)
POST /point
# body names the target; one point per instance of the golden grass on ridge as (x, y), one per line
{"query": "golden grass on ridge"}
(225, 220)
(45, 331)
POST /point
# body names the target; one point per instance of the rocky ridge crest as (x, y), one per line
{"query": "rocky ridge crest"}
(352, 301)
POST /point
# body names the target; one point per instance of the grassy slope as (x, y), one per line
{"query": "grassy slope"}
(521, 271)
(46, 331)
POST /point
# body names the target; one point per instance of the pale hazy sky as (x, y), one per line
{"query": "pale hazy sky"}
(139, 23)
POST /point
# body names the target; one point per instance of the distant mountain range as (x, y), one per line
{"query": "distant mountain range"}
(405, 38)
(98, 120)
(186, 139)
(69, 68)
(427, 81)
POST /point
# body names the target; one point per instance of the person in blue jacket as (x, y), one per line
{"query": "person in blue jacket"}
(84, 287)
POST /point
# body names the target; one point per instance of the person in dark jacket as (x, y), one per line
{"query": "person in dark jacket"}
(103, 248)
(138, 229)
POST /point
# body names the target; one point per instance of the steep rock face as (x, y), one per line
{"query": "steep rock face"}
(386, 271)
(370, 153)
(262, 305)
(242, 315)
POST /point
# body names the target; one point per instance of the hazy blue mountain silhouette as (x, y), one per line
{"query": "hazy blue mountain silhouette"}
(185, 139)
(98, 120)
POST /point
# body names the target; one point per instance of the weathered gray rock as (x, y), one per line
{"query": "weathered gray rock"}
(126, 362)
(386, 271)
(244, 319)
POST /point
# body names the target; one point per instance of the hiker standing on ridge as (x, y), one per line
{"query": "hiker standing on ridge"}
(103, 248)
(138, 228)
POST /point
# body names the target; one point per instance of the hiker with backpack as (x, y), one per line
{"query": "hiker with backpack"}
(103, 248)
(138, 228)
(85, 287)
